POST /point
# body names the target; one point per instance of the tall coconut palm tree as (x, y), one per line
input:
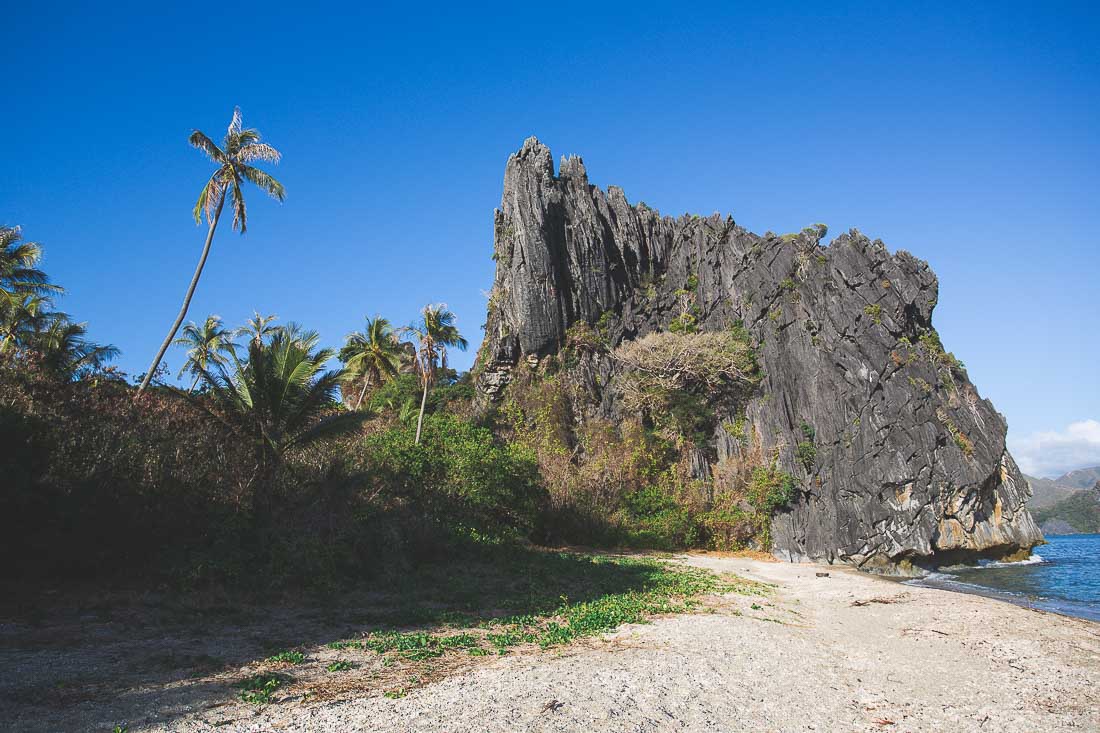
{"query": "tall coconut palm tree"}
(434, 334)
(240, 148)
(207, 345)
(371, 355)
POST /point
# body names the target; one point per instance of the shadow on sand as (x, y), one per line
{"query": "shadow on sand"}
(83, 658)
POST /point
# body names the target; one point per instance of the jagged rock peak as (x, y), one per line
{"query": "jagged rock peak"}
(911, 464)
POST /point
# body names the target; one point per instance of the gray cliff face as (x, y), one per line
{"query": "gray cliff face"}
(911, 464)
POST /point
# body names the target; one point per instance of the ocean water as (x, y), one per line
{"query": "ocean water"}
(1062, 576)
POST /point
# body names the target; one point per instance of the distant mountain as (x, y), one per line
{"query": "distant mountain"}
(1047, 492)
(1079, 513)
(1082, 478)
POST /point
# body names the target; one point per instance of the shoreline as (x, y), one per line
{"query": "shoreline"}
(1058, 606)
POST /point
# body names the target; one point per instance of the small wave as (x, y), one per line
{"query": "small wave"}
(1035, 559)
(933, 575)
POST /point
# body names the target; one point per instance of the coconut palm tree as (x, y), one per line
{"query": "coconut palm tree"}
(240, 148)
(434, 334)
(277, 400)
(257, 328)
(207, 345)
(67, 352)
(22, 317)
(19, 271)
(371, 355)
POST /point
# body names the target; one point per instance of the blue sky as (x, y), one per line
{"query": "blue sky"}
(966, 133)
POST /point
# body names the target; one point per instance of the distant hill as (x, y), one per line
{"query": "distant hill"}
(1047, 492)
(1082, 478)
(1078, 513)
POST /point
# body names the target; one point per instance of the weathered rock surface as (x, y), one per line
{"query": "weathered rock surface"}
(911, 464)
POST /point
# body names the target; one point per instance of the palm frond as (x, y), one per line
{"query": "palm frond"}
(265, 181)
(259, 151)
(332, 426)
(199, 140)
(244, 138)
(209, 197)
(235, 123)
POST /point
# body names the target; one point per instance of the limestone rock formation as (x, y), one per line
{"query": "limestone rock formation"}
(910, 463)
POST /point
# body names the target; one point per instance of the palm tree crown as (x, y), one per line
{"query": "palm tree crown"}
(25, 290)
(239, 149)
(66, 350)
(19, 271)
(371, 355)
(207, 345)
(22, 317)
(257, 328)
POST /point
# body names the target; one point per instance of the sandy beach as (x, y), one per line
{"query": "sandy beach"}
(843, 652)
(847, 652)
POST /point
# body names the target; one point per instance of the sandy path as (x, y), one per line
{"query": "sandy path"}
(930, 660)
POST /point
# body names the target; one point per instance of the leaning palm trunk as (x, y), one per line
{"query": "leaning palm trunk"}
(186, 299)
(420, 419)
(362, 392)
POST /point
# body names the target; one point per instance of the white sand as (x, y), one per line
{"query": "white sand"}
(931, 660)
(802, 658)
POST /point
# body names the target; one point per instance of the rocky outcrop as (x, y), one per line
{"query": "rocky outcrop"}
(909, 463)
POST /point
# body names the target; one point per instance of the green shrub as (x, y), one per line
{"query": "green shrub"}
(684, 323)
(459, 474)
(654, 518)
(736, 428)
(807, 454)
(770, 489)
(808, 431)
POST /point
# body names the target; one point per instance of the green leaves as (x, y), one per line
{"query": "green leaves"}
(459, 473)
(281, 395)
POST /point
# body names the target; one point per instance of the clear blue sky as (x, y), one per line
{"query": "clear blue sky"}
(966, 133)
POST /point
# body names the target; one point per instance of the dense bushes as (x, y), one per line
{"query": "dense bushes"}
(169, 487)
(94, 480)
(458, 475)
(97, 483)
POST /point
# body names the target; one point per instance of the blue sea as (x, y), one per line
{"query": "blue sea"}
(1062, 576)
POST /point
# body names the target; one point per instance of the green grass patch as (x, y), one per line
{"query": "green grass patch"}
(259, 688)
(559, 598)
(288, 657)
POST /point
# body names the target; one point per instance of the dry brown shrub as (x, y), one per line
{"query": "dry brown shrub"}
(663, 363)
